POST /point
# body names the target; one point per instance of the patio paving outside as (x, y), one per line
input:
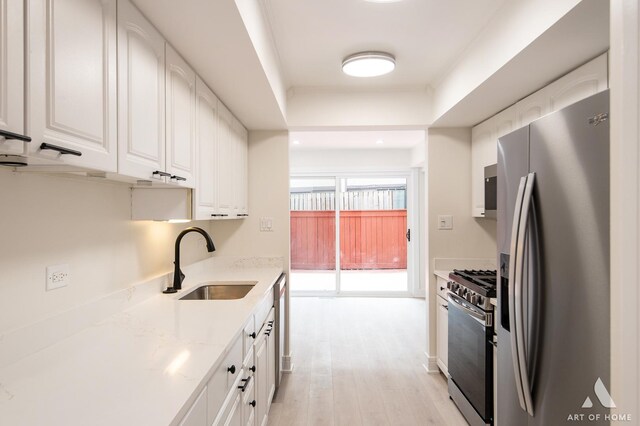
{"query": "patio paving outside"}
(382, 280)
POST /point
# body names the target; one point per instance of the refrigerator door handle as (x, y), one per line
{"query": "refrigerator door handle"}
(523, 227)
(513, 264)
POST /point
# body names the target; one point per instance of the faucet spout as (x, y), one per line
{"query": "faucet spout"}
(178, 276)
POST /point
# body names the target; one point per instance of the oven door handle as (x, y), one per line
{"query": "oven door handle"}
(527, 204)
(481, 318)
(513, 264)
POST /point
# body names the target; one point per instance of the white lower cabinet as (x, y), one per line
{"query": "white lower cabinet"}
(241, 389)
(442, 335)
(442, 325)
(197, 414)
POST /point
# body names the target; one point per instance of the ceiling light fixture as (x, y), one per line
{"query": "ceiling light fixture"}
(368, 64)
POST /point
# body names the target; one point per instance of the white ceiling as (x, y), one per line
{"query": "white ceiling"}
(425, 36)
(396, 139)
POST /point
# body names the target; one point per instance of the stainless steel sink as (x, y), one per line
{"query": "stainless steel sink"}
(220, 290)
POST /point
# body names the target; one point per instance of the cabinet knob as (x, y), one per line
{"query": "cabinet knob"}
(232, 369)
(441, 288)
(253, 369)
(253, 403)
(253, 335)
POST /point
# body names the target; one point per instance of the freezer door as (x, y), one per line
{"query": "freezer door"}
(513, 164)
(569, 154)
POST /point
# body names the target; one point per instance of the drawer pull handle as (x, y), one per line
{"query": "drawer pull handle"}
(246, 383)
(160, 173)
(219, 215)
(60, 149)
(253, 403)
(10, 135)
(178, 178)
(253, 335)
(232, 369)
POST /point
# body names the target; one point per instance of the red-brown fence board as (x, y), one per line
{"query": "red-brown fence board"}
(370, 239)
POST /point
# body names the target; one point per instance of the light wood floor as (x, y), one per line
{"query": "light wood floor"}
(358, 361)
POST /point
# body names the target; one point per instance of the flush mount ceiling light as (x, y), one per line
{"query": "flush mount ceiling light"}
(368, 64)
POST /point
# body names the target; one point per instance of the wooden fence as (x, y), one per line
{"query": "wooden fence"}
(371, 239)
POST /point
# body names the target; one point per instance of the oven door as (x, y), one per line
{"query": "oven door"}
(470, 354)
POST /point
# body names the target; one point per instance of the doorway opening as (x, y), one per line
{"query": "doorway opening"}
(351, 234)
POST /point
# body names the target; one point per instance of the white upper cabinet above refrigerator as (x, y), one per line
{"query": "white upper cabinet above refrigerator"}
(141, 96)
(12, 74)
(180, 119)
(72, 83)
(585, 81)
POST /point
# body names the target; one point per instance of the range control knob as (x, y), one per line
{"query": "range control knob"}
(480, 300)
(474, 299)
(469, 297)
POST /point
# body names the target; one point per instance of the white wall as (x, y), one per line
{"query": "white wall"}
(350, 160)
(314, 107)
(513, 28)
(625, 214)
(449, 193)
(50, 220)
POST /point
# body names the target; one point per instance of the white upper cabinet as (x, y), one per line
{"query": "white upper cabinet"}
(72, 82)
(205, 194)
(11, 74)
(225, 169)
(581, 83)
(241, 172)
(180, 116)
(141, 100)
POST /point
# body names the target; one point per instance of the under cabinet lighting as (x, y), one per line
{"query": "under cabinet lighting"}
(179, 220)
(368, 64)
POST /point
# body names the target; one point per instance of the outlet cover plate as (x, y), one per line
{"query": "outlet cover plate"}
(58, 276)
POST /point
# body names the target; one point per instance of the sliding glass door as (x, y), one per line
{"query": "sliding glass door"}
(373, 232)
(365, 219)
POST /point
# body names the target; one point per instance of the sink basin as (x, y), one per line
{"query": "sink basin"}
(220, 290)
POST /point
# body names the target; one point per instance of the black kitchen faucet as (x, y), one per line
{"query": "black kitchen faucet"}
(178, 276)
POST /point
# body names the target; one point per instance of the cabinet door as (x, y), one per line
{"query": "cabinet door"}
(271, 367)
(579, 84)
(225, 161)
(197, 415)
(72, 81)
(180, 116)
(11, 74)
(141, 104)
(241, 169)
(262, 380)
(206, 146)
(442, 345)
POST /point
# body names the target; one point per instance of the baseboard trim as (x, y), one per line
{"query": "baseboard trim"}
(287, 364)
(431, 364)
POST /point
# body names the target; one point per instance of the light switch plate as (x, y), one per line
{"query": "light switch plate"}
(58, 276)
(445, 222)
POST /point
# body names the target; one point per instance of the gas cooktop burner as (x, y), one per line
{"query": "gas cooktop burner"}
(482, 282)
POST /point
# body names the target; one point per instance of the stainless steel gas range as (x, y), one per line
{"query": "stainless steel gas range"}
(471, 320)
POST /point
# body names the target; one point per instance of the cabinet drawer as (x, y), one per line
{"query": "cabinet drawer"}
(249, 401)
(263, 311)
(223, 379)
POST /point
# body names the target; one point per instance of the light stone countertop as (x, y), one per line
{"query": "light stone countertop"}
(141, 366)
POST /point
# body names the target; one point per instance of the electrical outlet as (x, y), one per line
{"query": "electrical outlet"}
(58, 276)
(266, 224)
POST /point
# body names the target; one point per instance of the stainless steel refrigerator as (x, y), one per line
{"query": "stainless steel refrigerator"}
(553, 252)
